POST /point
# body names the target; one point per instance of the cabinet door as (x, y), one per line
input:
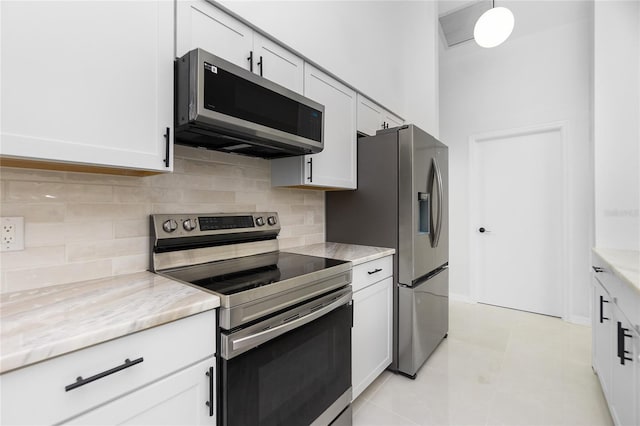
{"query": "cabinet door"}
(88, 82)
(602, 335)
(179, 399)
(371, 333)
(277, 64)
(624, 386)
(369, 116)
(392, 120)
(200, 24)
(336, 165)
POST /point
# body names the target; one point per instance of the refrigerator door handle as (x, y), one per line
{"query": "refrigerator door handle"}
(438, 178)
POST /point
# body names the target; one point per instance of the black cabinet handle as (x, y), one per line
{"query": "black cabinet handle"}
(260, 65)
(81, 382)
(310, 163)
(622, 334)
(210, 402)
(602, 317)
(167, 138)
(375, 271)
(598, 269)
(250, 59)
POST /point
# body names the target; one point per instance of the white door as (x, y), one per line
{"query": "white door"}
(519, 186)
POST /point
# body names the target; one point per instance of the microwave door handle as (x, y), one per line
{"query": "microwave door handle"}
(438, 177)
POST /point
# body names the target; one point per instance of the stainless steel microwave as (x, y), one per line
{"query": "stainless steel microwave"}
(223, 107)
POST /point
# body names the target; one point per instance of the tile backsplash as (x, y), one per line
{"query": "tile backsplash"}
(80, 226)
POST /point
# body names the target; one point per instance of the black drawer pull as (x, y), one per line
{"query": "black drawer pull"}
(598, 269)
(375, 271)
(167, 137)
(602, 302)
(81, 382)
(250, 59)
(210, 401)
(622, 333)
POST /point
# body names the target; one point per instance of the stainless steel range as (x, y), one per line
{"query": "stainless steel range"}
(285, 319)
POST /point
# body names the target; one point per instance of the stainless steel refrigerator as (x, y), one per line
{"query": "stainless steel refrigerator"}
(402, 202)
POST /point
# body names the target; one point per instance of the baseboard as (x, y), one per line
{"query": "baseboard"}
(457, 297)
(579, 319)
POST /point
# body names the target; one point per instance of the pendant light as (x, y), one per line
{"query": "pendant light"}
(493, 27)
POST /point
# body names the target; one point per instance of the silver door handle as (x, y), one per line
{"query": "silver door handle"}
(438, 176)
(268, 334)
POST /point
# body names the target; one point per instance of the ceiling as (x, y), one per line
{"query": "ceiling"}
(531, 16)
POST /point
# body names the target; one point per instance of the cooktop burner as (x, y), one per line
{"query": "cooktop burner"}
(236, 257)
(227, 277)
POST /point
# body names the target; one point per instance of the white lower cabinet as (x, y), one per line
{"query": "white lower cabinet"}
(155, 376)
(616, 343)
(625, 392)
(180, 399)
(372, 323)
(603, 345)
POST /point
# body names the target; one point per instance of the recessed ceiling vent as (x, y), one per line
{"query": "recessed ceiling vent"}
(457, 26)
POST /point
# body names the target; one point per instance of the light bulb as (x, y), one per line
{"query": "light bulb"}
(493, 27)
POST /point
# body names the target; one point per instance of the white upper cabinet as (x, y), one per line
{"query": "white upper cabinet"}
(391, 120)
(202, 25)
(88, 83)
(277, 64)
(372, 117)
(199, 24)
(335, 166)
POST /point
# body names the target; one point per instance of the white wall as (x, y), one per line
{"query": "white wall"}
(540, 75)
(385, 49)
(616, 121)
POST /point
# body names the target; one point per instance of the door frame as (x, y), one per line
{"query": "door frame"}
(566, 277)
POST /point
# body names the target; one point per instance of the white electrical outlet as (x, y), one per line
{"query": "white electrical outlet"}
(12, 233)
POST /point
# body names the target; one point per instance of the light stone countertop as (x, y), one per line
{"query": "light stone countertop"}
(354, 253)
(43, 323)
(625, 264)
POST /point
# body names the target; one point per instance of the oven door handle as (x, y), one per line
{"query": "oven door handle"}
(270, 333)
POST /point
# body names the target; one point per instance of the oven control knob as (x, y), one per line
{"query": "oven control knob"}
(271, 220)
(189, 224)
(170, 225)
(259, 221)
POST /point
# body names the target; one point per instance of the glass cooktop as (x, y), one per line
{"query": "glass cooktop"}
(233, 276)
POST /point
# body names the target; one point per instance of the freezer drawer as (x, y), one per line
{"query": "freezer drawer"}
(423, 319)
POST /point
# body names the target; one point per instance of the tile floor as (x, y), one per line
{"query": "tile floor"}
(497, 367)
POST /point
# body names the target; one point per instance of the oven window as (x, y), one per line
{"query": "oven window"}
(292, 379)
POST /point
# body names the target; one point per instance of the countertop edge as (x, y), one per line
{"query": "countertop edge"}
(625, 273)
(354, 253)
(25, 358)
(30, 348)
